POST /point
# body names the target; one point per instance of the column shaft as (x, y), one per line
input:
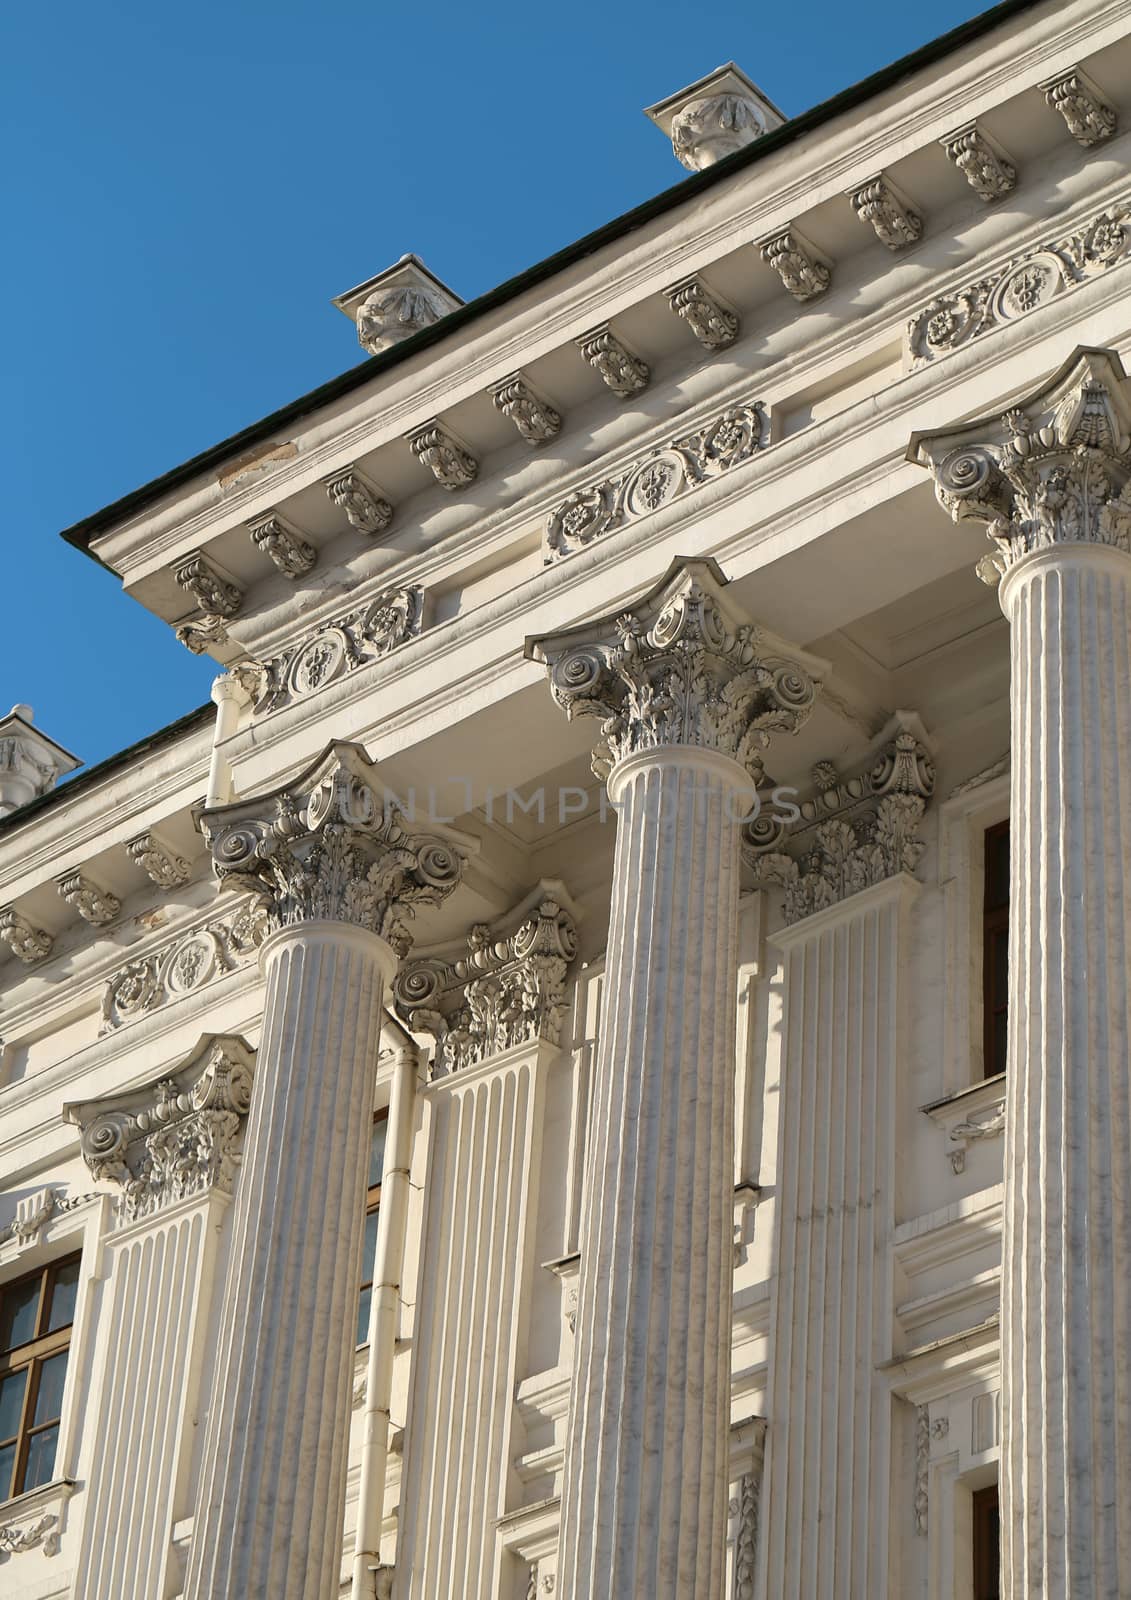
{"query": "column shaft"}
(271, 1502)
(830, 1427)
(645, 1500)
(1066, 1290)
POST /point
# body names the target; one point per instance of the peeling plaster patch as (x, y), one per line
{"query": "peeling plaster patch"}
(259, 461)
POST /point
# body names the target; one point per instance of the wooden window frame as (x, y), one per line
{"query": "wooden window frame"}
(372, 1203)
(995, 921)
(985, 1547)
(30, 1357)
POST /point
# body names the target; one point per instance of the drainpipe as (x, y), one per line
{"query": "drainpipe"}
(230, 694)
(383, 1313)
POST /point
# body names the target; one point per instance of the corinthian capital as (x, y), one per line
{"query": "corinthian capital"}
(1053, 470)
(506, 987)
(680, 667)
(334, 845)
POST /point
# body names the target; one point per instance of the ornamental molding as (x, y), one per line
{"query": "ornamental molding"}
(389, 315)
(174, 1138)
(804, 274)
(709, 320)
(989, 174)
(986, 1123)
(159, 861)
(182, 965)
(706, 130)
(29, 944)
(853, 832)
(1054, 470)
(745, 1510)
(507, 988)
(1028, 281)
(34, 1211)
(16, 1538)
(452, 466)
(616, 366)
(1087, 115)
(337, 648)
(536, 420)
(290, 552)
(680, 667)
(93, 904)
(203, 635)
(367, 511)
(893, 221)
(664, 475)
(215, 594)
(334, 844)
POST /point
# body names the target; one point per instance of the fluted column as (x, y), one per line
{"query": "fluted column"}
(1051, 481)
(339, 876)
(688, 694)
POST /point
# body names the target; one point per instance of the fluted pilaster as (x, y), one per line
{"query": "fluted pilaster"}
(826, 1514)
(1052, 483)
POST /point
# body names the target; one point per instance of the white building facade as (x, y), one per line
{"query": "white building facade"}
(600, 1065)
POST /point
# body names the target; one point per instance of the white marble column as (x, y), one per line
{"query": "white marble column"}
(172, 1150)
(1051, 481)
(339, 877)
(688, 694)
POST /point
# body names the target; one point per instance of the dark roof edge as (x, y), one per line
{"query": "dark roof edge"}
(81, 533)
(102, 769)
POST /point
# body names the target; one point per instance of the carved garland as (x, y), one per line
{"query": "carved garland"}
(183, 965)
(340, 647)
(661, 477)
(1028, 281)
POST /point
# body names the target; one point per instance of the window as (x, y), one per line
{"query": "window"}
(36, 1314)
(372, 1207)
(986, 1531)
(995, 949)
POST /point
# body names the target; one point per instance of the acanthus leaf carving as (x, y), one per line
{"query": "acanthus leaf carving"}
(617, 368)
(334, 845)
(366, 511)
(1054, 470)
(214, 594)
(666, 473)
(93, 904)
(707, 129)
(535, 419)
(174, 1138)
(712, 323)
(678, 669)
(200, 635)
(27, 943)
(1022, 285)
(508, 989)
(894, 223)
(450, 464)
(854, 832)
(292, 554)
(795, 264)
(160, 863)
(1087, 115)
(369, 633)
(990, 175)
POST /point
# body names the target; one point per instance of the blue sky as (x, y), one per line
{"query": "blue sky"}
(187, 186)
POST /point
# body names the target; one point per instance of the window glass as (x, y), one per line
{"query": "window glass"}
(64, 1296)
(12, 1403)
(40, 1458)
(363, 1315)
(995, 950)
(19, 1306)
(49, 1390)
(377, 1151)
(36, 1313)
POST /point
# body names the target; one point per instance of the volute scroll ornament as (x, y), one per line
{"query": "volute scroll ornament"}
(679, 668)
(334, 845)
(1053, 470)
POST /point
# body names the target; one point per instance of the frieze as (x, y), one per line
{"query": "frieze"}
(182, 966)
(367, 634)
(42, 1534)
(664, 475)
(1031, 280)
